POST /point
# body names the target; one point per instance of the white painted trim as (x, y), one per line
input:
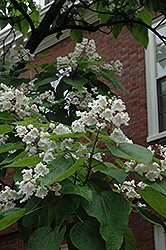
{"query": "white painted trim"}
(159, 238)
(151, 89)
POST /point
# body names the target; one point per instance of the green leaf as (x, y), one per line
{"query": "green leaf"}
(8, 217)
(21, 24)
(10, 146)
(155, 199)
(111, 78)
(145, 16)
(117, 28)
(43, 55)
(148, 215)
(6, 116)
(131, 152)
(78, 190)
(30, 161)
(58, 167)
(76, 35)
(62, 169)
(77, 83)
(45, 81)
(130, 243)
(83, 61)
(86, 235)
(112, 171)
(14, 157)
(5, 129)
(45, 238)
(140, 34)
(65, 207)
(101, 87)
(69, 135)
(35, 16)
(112, 211)
(31, 217)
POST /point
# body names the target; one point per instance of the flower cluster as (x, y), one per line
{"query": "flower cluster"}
(3, 139)
(130, 189)
(153, 172)
(87, 50)
(7, 196)
(12, 99)
(103, 112)
(19, 54)
(16, 100)
(81, 98)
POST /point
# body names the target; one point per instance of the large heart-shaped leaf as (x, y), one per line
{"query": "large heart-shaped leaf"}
(78, 190)
(45, 238)
(112, 211)
(65, 207)
(86, 235)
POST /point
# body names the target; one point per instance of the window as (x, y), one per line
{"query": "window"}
(155, 59)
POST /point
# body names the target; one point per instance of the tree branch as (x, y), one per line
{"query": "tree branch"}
(27, 17)
(93, 28)
(42, 31)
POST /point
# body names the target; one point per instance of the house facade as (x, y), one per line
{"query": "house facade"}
(144, 76)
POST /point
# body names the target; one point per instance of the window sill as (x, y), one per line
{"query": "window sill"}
(156, 136)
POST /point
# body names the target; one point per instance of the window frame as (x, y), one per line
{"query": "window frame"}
(159, 238)
(151, 88)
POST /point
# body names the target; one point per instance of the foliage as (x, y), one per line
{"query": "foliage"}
(60, 132)
(63, 15)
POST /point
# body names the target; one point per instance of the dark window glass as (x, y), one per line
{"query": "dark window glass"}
(162, 103)
(48, 1)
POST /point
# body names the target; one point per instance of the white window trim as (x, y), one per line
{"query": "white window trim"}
(151, 89)
(159, 238)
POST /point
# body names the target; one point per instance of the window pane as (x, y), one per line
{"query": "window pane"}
(160, 51)
(48, 1)
(163, 86)
(163, 122)
(162, 31)
(161, 68)
(163, 103)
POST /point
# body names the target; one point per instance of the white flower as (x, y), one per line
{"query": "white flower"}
(117, 135)
(41, 192)
(56, 187)
(118, 105)
(40, 170)
(61, 129)
(27, 174)
(48, 157)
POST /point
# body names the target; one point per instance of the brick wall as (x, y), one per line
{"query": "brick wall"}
(131, 54)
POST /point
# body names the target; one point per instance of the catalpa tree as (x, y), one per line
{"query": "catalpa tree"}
(76, 175)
